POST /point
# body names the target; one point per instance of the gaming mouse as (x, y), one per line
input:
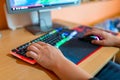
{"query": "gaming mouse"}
(89, 38)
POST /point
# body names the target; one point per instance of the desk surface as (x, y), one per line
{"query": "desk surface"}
(12, 68)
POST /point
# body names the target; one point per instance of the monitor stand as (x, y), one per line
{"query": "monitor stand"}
(35, 29)
(45, 24)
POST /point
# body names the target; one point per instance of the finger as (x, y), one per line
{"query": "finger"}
(41, 43)
(44, 45)
(93, 32)
(32, 54)
(98, 42)
(90, 33)
(37, 46)
(34, 48)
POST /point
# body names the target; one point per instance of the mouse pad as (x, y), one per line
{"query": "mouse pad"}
(76, 50)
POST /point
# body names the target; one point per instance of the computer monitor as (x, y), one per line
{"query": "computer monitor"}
(43, 7)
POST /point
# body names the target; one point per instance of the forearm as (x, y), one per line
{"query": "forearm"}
(66, 70)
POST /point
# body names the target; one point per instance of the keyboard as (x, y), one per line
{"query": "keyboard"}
(56, 37)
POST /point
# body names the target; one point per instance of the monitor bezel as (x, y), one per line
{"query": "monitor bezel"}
(38, 8)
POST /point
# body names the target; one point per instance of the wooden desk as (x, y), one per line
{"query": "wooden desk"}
(12, 68)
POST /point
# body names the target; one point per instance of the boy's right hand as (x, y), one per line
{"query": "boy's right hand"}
(107, 39)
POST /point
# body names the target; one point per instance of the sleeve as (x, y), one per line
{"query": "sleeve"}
(93, 79)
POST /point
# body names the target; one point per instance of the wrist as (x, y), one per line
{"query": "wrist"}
(59, 64)
(65, 69)
(117, 43)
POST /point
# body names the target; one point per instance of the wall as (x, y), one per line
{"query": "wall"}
(83, 14)
(3, 23)
(89, 12)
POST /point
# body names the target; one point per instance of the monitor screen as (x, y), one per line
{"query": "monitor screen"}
(18, 6)
(43, 7)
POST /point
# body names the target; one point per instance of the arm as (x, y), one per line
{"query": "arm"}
(69, 71)
(51, 58)
(108, 39)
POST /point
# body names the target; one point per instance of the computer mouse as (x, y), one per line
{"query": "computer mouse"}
(89, 38)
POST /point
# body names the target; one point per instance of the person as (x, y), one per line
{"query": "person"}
(52, 58)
